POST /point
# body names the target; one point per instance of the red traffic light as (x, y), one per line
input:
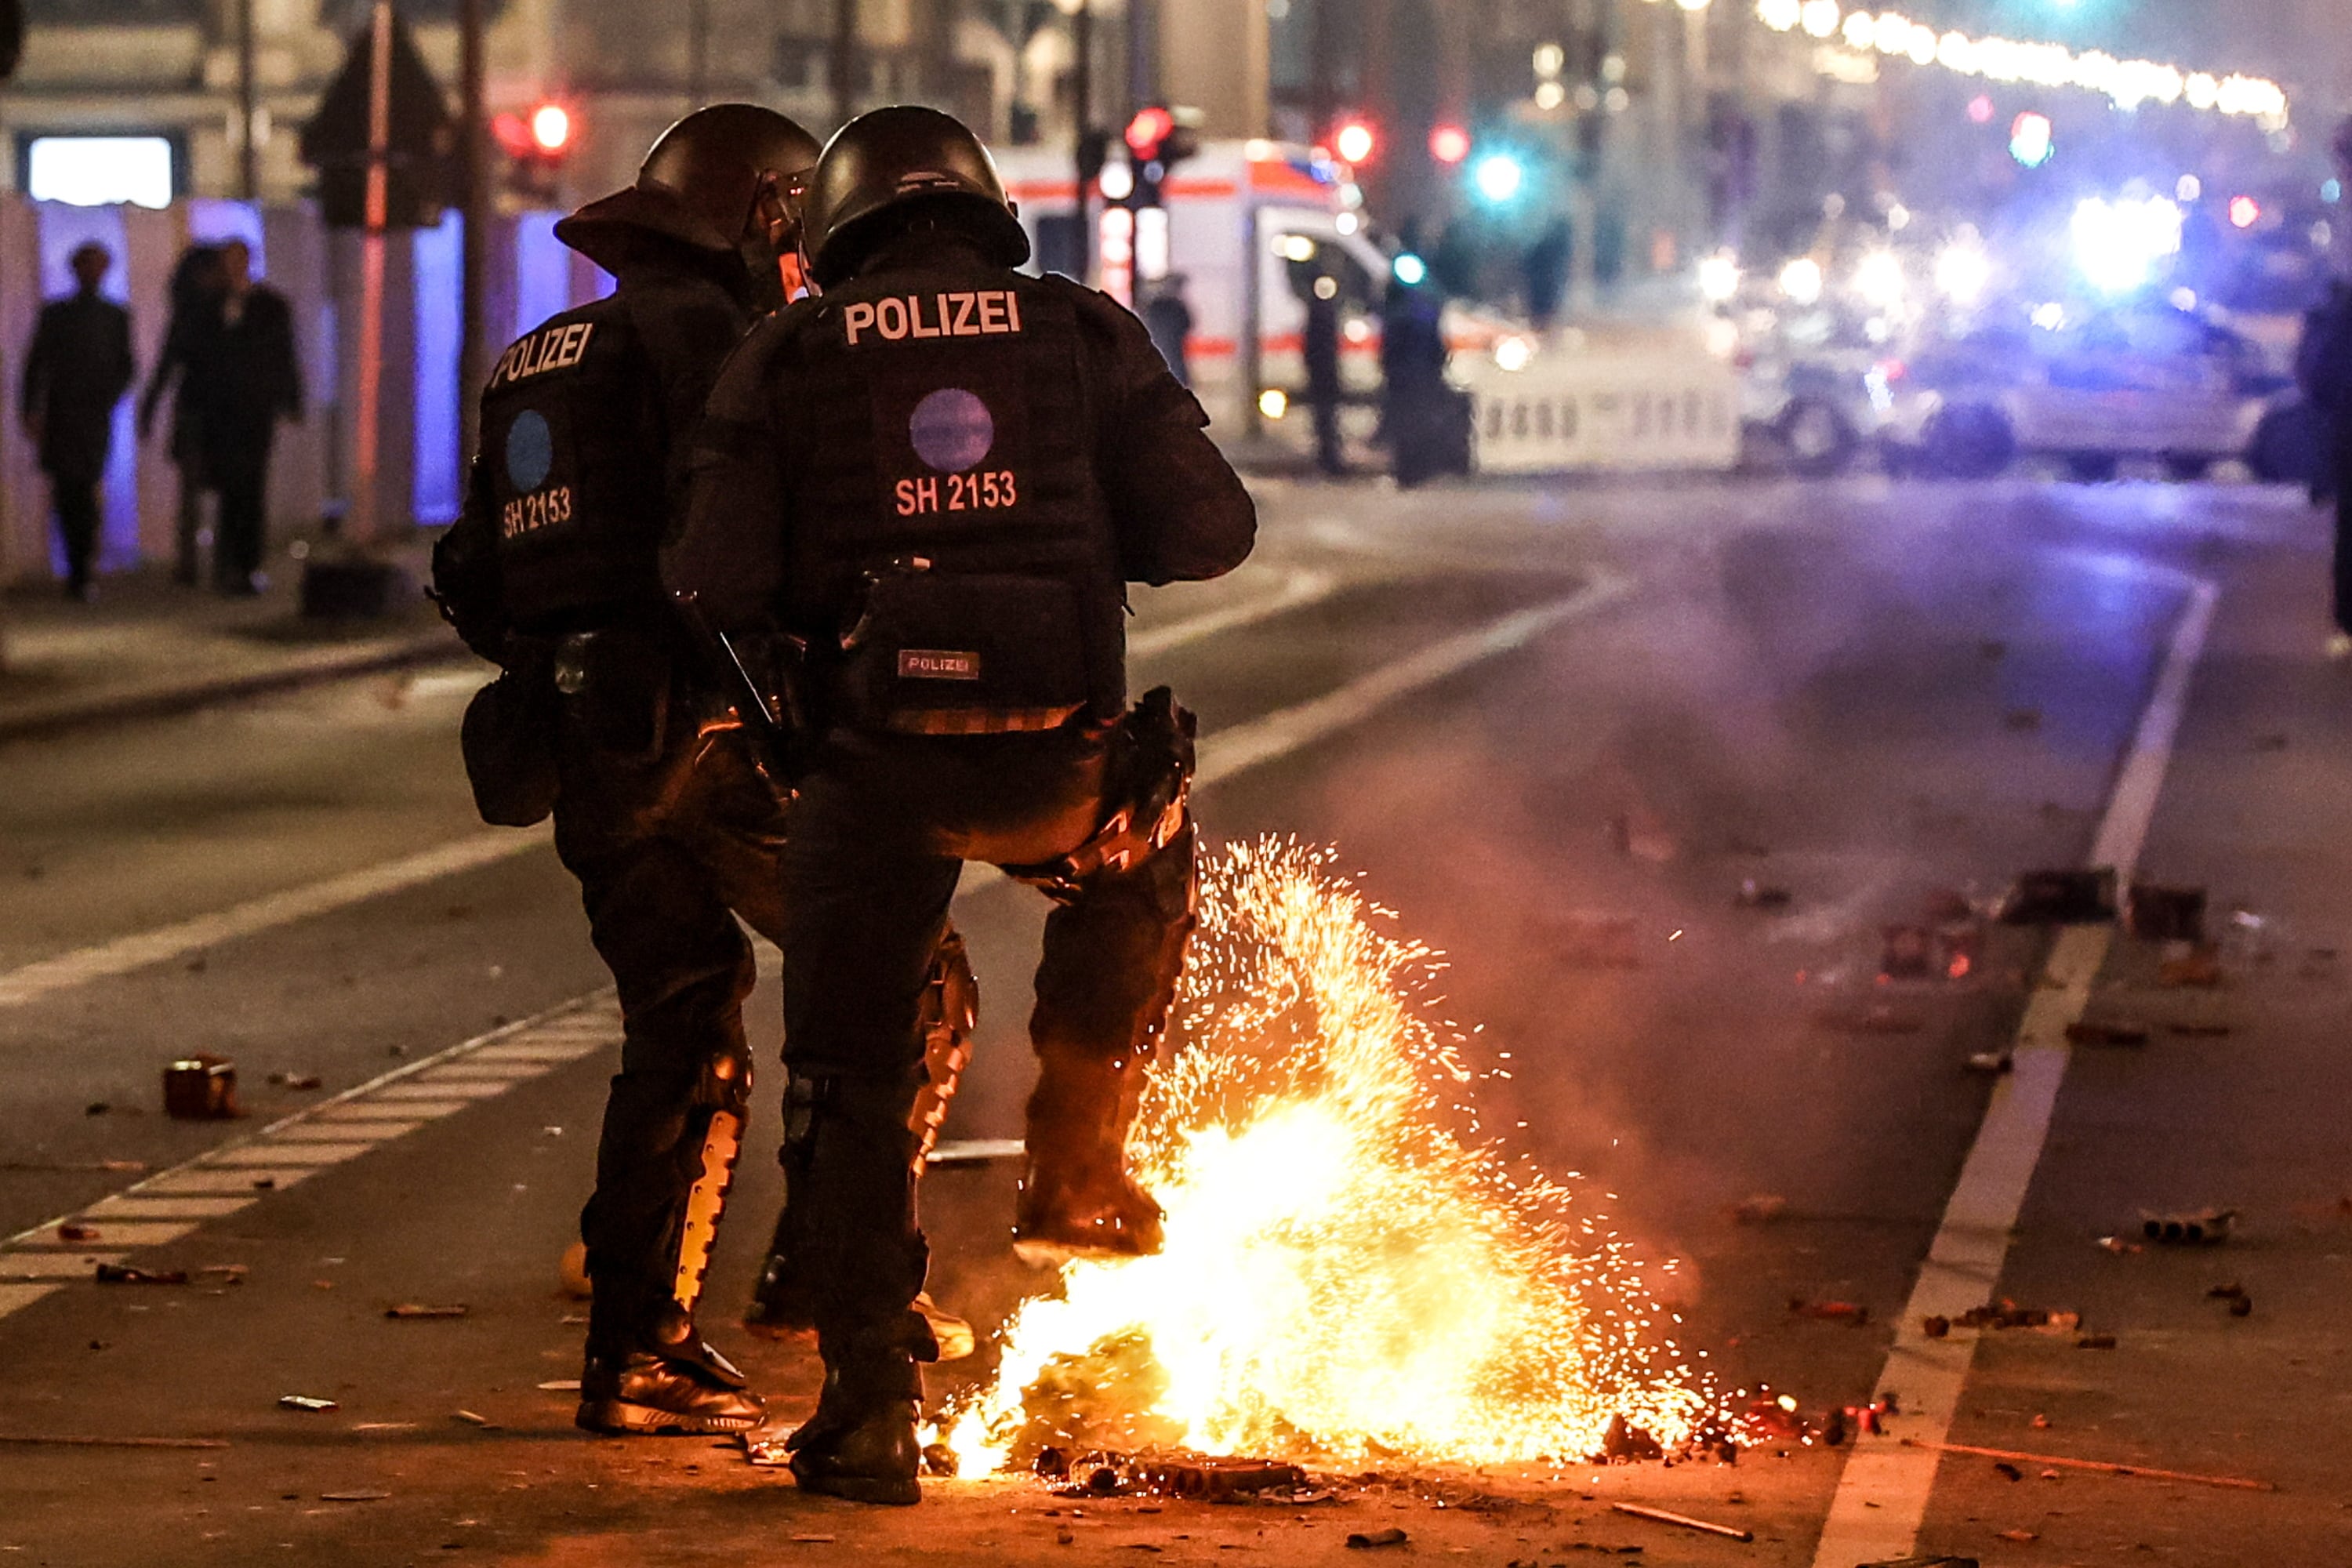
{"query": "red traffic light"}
(2244, 212)
(1149, 129)
(1354, 141)
(551, 128)
(1449, 144)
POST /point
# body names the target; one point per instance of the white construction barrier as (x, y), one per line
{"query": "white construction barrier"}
(1568, 410)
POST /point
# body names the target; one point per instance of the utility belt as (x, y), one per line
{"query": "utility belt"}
(1146, 797)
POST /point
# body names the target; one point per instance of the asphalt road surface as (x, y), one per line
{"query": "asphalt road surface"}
(1557, 729)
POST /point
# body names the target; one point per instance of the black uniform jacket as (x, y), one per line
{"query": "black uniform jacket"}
(691, 299)
(1176, 507)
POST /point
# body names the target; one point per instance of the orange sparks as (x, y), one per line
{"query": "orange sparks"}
(1344, 1276)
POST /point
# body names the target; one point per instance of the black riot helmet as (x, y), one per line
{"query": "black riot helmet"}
(897, 163)
(718, 161)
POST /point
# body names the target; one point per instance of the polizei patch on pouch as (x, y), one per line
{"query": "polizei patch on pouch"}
(937, 664)
(951, 430)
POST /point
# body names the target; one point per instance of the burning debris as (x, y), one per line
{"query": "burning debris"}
(1346, 1274)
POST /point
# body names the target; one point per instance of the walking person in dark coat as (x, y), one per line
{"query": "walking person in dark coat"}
(77, 370)
(198, 285)
(253, 377)
(1320, 349)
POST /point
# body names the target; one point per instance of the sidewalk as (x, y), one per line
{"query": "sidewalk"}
(148, 645)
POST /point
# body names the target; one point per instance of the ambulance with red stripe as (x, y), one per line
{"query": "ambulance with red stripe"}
(1244, 228)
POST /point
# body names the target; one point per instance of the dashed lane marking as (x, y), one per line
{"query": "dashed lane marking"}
(172, 1204)
(479, 1069)
(1883, 1494)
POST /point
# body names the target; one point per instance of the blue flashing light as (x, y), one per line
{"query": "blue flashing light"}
(1410, 269)
(1499, 177)
(2331, 191)
(2032, 139)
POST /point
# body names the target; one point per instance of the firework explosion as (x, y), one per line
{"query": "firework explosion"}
(1349, 1271)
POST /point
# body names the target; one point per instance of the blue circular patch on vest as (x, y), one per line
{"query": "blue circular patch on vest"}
(530, 451)
(951, 430)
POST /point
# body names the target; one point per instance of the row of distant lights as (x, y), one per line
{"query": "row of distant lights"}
(2126, 83)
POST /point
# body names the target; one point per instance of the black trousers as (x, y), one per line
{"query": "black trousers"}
(76, 500)
(667, 854)
(880, 832)
(242, 535)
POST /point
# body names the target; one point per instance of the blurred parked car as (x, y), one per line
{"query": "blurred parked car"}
(2144, 383)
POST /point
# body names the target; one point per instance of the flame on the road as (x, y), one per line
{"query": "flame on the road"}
(1351, 1270)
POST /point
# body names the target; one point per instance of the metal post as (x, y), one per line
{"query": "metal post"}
(1082, 41)
(248, 156)
(1322, 88)
(364, 508)
(474, 205)
(843, 62)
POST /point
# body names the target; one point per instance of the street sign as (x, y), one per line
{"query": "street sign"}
(420, 147)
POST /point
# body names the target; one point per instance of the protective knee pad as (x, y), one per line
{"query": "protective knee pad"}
(714, 1132)
(949, 1012)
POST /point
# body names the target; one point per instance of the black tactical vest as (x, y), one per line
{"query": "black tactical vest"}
(573, 440)
(953, 551)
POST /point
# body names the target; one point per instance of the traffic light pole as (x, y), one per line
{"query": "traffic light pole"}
(248, 156)
(367, 448)
(473, 346)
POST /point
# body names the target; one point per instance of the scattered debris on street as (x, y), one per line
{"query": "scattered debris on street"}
(2203, 1227)
(2103, 1467)
(413, 1309)
(2068, 897)
(1684, 1520)
(305, 1401)
(201, 1088)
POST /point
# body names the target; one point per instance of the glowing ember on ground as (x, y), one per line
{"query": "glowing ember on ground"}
(1348, 1273)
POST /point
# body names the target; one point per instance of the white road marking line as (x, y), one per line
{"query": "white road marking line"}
(272, 1152)
(1883, 1494)
(162, 1208)
(345, 1131)
(1300, 587)
(35, 980)
(114, 1233)
(463, 1090)
(355, 1116)
(14, 1297)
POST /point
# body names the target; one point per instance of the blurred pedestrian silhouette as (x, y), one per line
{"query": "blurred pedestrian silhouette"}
(199, 284)
(1320, 349)
(1168, 318)
(78, 368)
(251, 378)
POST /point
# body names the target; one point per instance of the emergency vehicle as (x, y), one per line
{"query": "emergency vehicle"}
(1246, 228)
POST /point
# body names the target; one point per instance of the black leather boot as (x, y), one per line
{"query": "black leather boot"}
(694, 1392)
(1076, 1197)
(862, 1443)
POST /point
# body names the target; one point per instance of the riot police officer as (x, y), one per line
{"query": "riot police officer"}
(940, 474)
(661, 809)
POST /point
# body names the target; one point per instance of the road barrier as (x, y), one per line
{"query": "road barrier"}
(1571, 411)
